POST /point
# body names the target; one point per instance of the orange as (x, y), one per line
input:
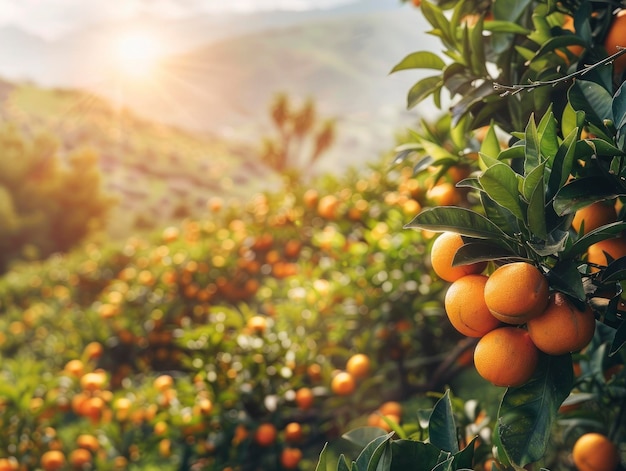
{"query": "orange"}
(417, 3)
(466, 308)
(75, 368)
(290, 458)
(615, 248)
(391, 408)
(304, 398)
(516, 292)
(9, 464)
(616, 36)
(562, 328)
(595, 452)
(310, 198)
(257, 324)
(80, 458)
(568, 25)
(593, 216)
(293, 432)
(443, 194)
(88, 442)
(358, 365)
(52, 460)
(442, 254)
(163, 382)
(327, 207)
(265, 434)
(343, 384)
(506, 356)
(93, 381)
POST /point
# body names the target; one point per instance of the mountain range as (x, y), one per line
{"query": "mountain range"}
(222, 71)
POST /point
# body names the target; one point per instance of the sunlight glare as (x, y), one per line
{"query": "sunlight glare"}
(137, 54)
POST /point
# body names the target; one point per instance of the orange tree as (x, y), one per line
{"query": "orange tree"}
(537, 111)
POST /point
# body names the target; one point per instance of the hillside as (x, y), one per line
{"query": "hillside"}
(342, 63)
(158, 173)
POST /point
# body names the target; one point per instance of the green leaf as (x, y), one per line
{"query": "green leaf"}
(439, 21)
(548, 138)
(531, 146)
(421, 90)
(601, 233)
(409, 455)
(563, 163)
(498, 26)
(361, 436)
(373, 453)
(490, 145)
(481, 251)
(442, 427)
(619, 106)
(500, 183)
(420, 60)
(322, 460)
(533, 180)
(536, 214)
(604, 148)
(477, 49)
(499, 216)
(527, 413)
(571, 119)
(619, 340)
(343, 464)
(593, 99)
(566, 278)
(464, 459)
(461, 220)
(583, 192)
(513, 152)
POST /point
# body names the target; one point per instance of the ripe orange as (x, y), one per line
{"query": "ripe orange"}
(616, 36)
(9, 464)
(562, 328)
(75, 368)
(304, 398)
(163, 382)
(506, 356)
(293, 432)
(327, 207)
(466, 307)
(615, 248)
(290, 458)
(442, 254)
(343, 384)
(80, 458)
(593, 216)
(568, 24)
(88, 442)
(257, 324)
(358, 365)
(265, 434)
(516, 292)
(52, 460)
(417, 3)
(595, 452)
(93, 381)
(391, 408)
(443, 194)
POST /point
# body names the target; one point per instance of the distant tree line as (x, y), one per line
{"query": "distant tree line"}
(48, 202)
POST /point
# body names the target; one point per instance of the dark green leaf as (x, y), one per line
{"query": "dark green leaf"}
(373, 452)
(422, 89)
(409, 455)
(554, 244)
(321, 462)
(566, 278)
(465, 458)
(498, 215)
(583, 192)
(562, 163)
(619, 106)
(461, 220)
(500, 183)
(601, 233)
(481, 251)
(527, 413)
(423, 164)
(477, 49)
(603, 148)
(465, 104)
(420, 60)
(363, 435)
(442, 427)
(560, 42)
(343, 464)
(593, 99)
(533, 180)
(619, 340)
(445, 465)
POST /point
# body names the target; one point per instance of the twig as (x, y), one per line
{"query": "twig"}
(515, 89)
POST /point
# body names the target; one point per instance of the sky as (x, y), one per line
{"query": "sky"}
(50, 19)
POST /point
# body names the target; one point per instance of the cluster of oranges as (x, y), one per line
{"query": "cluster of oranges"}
(512, 311)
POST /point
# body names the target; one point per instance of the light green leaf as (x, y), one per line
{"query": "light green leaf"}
(322, 460)
(420, 60)
(531, 146)
(490, 145)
